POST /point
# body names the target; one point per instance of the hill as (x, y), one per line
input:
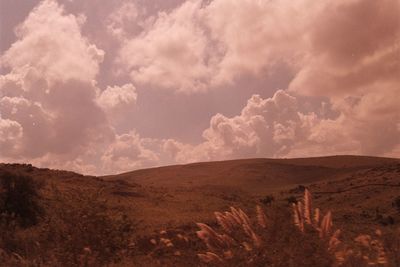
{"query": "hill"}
(361, 192)
(253, 175)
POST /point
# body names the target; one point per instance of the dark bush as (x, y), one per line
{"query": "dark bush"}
(291, 200)
(267, 200)
(19, 198)
(396, 203)
(297, 190)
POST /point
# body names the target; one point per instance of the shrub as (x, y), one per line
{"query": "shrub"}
(19, 198)
(267, 200)
(396, 203)
(291, 200)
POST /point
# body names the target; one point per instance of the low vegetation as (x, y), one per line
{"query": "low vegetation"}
(45, 224)
(78, 228)
(19, 199)
(310, 240)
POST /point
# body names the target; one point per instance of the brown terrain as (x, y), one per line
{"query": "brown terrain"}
(360, 191)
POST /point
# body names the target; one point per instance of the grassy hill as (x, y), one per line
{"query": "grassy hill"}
(359, 190)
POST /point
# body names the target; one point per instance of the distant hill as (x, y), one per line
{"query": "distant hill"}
(253, 175)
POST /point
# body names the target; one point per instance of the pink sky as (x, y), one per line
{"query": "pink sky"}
(108, 86)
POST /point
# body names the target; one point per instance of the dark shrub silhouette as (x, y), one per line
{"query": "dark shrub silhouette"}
(396, 203)
(19, 198)
(267, 200)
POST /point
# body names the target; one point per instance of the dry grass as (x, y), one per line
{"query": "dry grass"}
(86, 227)
(79, 230)
(242, 241)
(268, 240)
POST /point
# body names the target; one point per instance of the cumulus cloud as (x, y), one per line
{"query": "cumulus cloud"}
(51, 111)
(51, 42)
(126, 19)
(128, 152)
(116, 96)
(10, 133)
(255, 36)
(204, 44)
(353, 60)
(265, 128)
(353, 45)
(172, 52)
(345, 53)
(277, 127)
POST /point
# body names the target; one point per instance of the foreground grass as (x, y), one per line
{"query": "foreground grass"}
(70, 227)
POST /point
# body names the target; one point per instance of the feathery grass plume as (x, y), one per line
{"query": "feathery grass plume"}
(307, 206)
(238, 234)
(382, 257)
(243, 216)
(251, 241)
(209, 236)
(236, 215)
(261, 218)
(209, 257)
(334, 241)
(317, 215)
(297, 216)
(167, 242)
(326, 225)
(255, 241)
(229, 217)
(375, 253)
(302, 214)
(250, 233)
(224, 222)
(247, 246)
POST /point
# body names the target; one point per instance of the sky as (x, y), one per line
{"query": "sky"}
(108, 86)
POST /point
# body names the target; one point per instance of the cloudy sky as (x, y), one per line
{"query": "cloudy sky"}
(106, 86)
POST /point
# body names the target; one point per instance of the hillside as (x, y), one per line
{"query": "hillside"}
(359, 190)
(253, 175)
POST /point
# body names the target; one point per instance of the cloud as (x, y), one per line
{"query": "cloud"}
(353, 61)
(201, 45)
(255, 36)
(342, 55)
(354, 44)
(127, 19)
(343, 51)
(265, 128)
(172, 52)
(116, 96)
(48, 105)
(51, 42)
(10, 133)
(128, 152)
(279, 127)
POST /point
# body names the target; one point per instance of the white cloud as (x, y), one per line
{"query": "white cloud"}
(51, 42)
(10, 133)
(170, 53)
(115, 96)
(128, 152)
(126, 20)
(53, 113)
(48, 99)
